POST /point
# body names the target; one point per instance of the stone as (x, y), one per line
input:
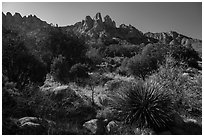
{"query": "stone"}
(34, 125)
(24, 120)
(96, 126)
(31, 126)
(111, 127)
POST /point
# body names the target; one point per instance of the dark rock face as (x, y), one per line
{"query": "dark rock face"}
(97, 28)
(88, 23)
(108, 22)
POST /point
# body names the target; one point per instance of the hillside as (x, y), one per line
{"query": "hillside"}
(95, 78)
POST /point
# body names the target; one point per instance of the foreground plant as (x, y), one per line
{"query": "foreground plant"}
(143, 105)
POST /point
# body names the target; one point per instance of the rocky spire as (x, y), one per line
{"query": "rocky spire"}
(98, 18)
(108, 21)
(88, 23)
(98, 23)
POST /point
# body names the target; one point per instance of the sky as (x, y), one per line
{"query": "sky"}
(183, 17)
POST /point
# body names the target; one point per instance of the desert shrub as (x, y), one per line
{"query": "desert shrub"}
(143, 105)
(121, 50)
(94, 55)
(123, 68)
(79, 71)
(8, 97)
(186, 55)
(156, 51)
(185, 90)
(68, 46)
(60, 69)
(142, 66)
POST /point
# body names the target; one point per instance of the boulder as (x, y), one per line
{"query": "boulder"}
(24, 120)
(96, 126)
(34, 126)
(31, 126)
(112, 127)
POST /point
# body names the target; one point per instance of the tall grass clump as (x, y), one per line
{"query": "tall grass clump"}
(143, 105)
(185, 90)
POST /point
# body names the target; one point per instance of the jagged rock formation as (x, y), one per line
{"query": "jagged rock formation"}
(98, 28)
(22, 24)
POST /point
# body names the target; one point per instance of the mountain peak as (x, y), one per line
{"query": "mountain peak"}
(98, 17)
(98, 23)
(18, 15)
(9, 14)
(109, 22)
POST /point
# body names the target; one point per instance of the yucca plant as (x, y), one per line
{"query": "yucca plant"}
(143, 105)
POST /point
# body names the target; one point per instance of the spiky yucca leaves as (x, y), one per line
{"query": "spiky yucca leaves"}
(143, 105)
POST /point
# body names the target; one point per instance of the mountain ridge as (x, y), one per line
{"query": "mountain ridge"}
(96, 28)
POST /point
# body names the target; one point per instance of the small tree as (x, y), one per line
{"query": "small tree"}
(142, 66)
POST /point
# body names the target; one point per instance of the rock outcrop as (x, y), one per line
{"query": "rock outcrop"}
(109, 22)
(88, 23)
(96, 126)
(97, 28)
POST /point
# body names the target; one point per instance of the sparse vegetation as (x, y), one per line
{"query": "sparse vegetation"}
(144, 105)
(56, 79)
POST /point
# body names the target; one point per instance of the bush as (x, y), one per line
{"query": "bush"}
(60, 69)
(185, 90)
(143, 105)
(156, 51)
(94, 55)
(123, 69)
(186, 55)
(72, 48)
(79, 71)
(142, 66)
(8, 101)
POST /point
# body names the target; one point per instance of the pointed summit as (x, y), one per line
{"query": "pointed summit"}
(88, 23)
(109, 22)
(17, 17)
(98, 23)
(9, 14)
(98, 17)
